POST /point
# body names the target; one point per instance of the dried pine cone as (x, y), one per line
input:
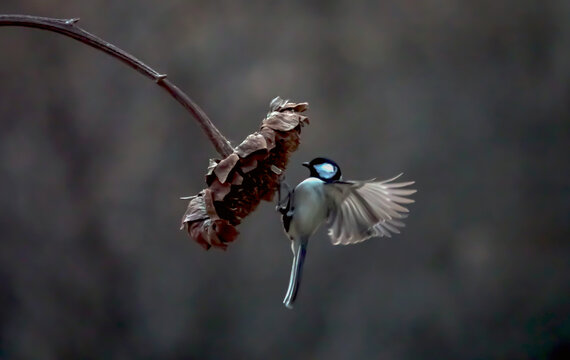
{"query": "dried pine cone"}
(238, 183)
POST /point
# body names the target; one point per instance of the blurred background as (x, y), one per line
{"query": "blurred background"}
(469, 99)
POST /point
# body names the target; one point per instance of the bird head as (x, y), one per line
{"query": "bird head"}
(324, 169)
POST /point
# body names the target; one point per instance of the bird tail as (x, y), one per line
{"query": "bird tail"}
(299, 252)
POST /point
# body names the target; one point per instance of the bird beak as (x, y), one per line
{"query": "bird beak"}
(305, 164)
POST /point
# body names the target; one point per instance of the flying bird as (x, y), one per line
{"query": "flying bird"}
(354, 210)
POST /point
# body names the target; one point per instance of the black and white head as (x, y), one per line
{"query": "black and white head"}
(324, 169)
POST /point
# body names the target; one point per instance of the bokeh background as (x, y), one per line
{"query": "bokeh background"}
(469, 98)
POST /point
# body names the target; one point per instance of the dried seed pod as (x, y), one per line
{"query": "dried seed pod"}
(238, 183)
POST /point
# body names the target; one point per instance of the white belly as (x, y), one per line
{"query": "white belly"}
(310, 207)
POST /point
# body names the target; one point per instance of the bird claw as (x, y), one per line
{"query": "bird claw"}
(283, 204)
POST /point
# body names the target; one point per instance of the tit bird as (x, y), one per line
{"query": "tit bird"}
(354, 210)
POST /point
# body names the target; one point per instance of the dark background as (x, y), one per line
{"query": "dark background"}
(469, 98)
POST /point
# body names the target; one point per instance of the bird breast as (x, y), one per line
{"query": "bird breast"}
(310, 207)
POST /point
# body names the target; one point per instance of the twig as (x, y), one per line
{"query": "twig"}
(68, 27)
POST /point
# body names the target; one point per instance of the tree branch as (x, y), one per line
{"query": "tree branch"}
(68, 27)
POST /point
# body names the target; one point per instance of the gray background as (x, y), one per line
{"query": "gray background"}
(468, 98)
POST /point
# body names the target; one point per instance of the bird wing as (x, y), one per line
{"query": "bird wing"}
(359, 210)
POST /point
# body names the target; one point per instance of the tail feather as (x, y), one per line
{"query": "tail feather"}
(296, 272)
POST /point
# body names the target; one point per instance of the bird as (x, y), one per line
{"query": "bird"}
(353, 210)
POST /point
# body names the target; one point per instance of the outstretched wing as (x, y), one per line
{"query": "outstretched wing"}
(361, 210)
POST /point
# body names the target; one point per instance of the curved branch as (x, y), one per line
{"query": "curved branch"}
(68, 27)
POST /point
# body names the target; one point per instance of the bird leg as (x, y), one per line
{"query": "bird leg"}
(283, 205)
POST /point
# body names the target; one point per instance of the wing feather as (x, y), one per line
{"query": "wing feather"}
(365, 209)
